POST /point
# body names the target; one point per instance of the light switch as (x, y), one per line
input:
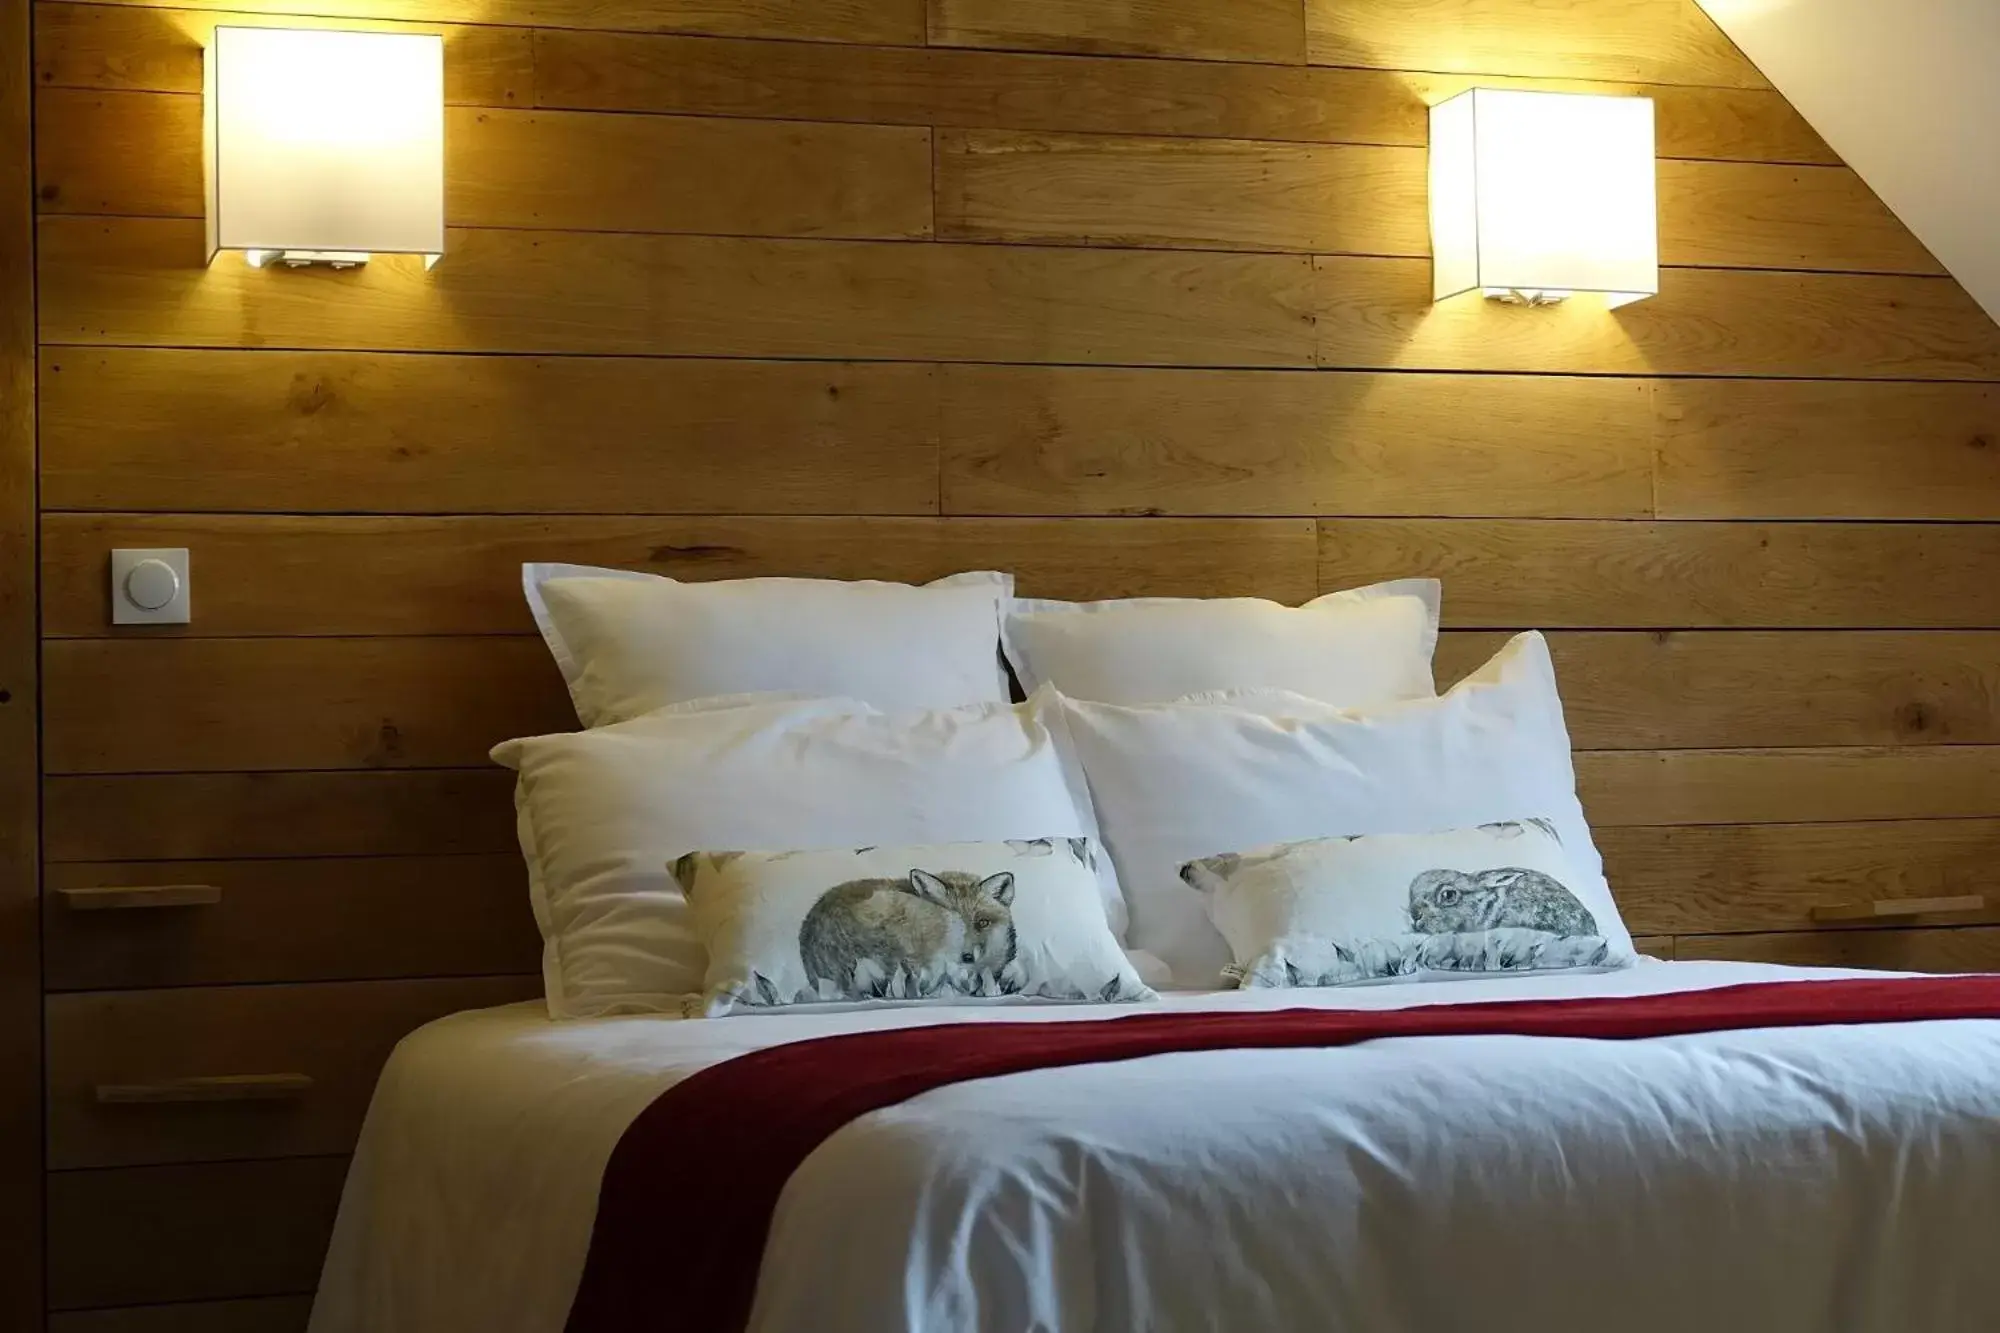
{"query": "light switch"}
(149, 586)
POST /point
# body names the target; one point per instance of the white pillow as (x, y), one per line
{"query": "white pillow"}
(602, 815)
(1358, 648)
(1402, 906)
(629, 642)
(940, 923)
(1176, 782)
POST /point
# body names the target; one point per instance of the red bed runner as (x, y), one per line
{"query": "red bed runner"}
(717, 1148)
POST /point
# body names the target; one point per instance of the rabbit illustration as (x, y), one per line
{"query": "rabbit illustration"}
(1449, 901)
(937, 931)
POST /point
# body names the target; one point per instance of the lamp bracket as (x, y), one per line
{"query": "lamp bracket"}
(306, 258)
(1532, 299)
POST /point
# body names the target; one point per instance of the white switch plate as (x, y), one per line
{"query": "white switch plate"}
(144, 574)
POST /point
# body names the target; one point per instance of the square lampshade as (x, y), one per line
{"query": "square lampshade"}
(324, 144)
(1540, 196)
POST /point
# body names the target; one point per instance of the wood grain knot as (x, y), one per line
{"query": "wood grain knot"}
(309, 397)
(670, 554)
(1915, 719)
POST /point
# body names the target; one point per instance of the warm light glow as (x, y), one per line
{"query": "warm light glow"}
(1539, 196)
(328, 142)
(1726, 11)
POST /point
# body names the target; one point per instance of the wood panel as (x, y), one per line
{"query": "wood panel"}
(991, 90)
(122, 47)
(287, 703)
(1369, 200)
(295, 920)
(1742, 215)
(1732, 449)
(1702, 689)
(1770, 877)
(1022, 440)
(21, 1272)
(309, 920)
(1652, 41)
(1253, 30)
(460, 575)
(225, 704)
(141, 1235)
(1225, 194)
(350, 432)
(417, 812)
(413, 433)
(1655, 946)
(1619, 575)
(140, 281)
(1102, 441)
(1974, 949)
(1778, 786)
(826, 21)
(1378, 313)
(191, 816)
(288, 576)
(139, 154)
(269, 1314)
(578, 170)
(339, 1035)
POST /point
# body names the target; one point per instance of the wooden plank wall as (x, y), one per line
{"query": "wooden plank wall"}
(1127, 297)
(20, 650)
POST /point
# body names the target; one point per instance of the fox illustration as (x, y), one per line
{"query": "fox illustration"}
(938, 931)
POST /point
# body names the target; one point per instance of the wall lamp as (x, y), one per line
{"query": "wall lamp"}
(1537, 197)
(323, 147)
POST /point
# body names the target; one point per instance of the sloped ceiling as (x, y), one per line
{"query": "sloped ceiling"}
(1905, 91)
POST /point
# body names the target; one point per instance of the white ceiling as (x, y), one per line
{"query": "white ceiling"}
(1905, 91)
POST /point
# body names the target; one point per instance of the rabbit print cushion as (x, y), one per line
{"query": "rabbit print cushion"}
(946, 923)
(1342, 911)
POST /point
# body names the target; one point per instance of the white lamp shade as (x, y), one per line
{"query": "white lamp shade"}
(1544, 195)
(324, 141)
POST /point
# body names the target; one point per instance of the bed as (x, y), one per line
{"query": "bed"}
(1811, 1179)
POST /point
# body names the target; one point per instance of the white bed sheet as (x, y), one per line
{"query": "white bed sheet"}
(1789, 1179)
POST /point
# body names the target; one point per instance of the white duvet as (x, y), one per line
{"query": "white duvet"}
(1792, 1179)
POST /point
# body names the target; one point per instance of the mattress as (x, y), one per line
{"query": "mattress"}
(1779, 1179)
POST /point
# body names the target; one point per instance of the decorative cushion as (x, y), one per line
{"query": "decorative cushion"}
(1393, 906)
(944, 922)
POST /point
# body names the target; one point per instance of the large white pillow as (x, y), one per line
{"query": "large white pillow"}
(603, 814)
(1355, 649)
(1173, 783)
(629, 642)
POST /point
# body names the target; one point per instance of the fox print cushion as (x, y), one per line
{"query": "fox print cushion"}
(1342, 911)
(946, 923)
